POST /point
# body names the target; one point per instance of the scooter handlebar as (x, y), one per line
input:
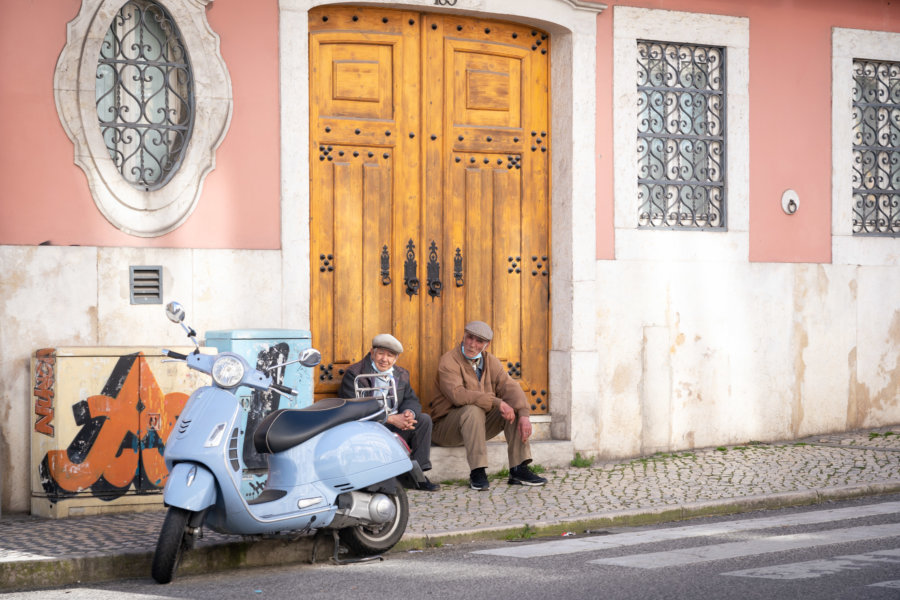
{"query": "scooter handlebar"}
(283, 389)
(176, 355)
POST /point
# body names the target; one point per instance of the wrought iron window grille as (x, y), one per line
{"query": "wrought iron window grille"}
(876, 148)
(681, 136)
(144, 91)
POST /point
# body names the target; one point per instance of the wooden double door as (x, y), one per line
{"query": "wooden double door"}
(429, 192)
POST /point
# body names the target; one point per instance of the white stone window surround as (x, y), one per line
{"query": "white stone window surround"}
(732, 33)
(847, 45)
(573, 26)
(136, 212)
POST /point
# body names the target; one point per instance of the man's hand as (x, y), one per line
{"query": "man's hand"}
(507, 412)
(403, 421)
(524, 428)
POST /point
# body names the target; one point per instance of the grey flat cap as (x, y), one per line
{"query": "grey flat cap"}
(480, 329)
(388, 342)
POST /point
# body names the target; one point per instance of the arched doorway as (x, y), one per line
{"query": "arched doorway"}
(429, 189)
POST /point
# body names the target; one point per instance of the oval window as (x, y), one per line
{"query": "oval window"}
(145, 96)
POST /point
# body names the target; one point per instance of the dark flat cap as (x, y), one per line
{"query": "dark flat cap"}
(480, 329)
(388, 342)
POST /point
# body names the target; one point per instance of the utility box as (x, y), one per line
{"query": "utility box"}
(265, 349)
(100, 421)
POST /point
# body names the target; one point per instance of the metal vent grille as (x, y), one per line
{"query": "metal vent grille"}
(146, 285)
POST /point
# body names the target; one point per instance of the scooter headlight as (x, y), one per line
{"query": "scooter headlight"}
(227, 371)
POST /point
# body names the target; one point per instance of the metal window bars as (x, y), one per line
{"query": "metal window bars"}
(681, 136)
(876, 148)
(144, 91)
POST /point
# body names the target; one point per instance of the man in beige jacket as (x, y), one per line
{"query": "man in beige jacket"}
(475, 400)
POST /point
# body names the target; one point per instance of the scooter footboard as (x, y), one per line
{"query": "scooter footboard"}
(190, 486)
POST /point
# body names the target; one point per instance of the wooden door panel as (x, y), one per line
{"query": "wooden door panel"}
(506, 306)
(363, 177)
(487, 84)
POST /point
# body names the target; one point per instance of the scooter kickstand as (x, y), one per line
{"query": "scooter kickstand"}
(348, 561)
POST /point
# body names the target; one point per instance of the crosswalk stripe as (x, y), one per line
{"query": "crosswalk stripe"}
(811, 569)
(687, 556)
(569, 546)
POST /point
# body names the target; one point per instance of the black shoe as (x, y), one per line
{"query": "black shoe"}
(478, 480)
(428, 486)
(522, 475)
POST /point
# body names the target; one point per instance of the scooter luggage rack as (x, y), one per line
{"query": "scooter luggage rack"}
(387, 395)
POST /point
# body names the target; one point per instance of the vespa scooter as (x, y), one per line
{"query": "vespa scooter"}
(332, 465)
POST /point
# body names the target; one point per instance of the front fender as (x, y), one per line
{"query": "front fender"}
(190, 486)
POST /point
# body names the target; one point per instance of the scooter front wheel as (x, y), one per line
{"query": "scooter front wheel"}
(173, 541)
(374, 539)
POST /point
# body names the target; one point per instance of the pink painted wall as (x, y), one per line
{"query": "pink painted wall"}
(46, 197)
(790, 116)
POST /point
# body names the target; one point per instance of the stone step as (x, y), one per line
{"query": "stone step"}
(450, 463)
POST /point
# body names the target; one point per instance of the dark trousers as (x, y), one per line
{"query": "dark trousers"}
(419, 441)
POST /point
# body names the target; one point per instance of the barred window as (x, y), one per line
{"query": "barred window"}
(876, 148)
(681, 136)
(144, 94)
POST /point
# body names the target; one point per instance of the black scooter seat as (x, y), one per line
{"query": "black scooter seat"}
(287, 427)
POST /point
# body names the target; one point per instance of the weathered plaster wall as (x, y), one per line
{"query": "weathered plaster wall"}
(714, 353)
(56, 296)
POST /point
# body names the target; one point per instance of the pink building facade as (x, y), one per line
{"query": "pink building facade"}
(775, 318)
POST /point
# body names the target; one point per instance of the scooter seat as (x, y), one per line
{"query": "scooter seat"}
(287, 427)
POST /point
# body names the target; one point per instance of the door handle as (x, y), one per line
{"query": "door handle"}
(409, 271)
(434, 272)
(385, 266)
(458, 268)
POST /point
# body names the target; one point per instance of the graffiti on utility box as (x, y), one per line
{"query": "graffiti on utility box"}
(122, 435)
(44, 378)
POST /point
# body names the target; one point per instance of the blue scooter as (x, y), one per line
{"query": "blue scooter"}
(332, 465)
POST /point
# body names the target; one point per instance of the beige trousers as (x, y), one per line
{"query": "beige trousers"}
(471, 427)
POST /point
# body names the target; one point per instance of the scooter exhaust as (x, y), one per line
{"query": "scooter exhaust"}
(355, 508)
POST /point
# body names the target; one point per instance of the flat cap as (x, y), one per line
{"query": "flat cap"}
(480, 329)
(388, 342)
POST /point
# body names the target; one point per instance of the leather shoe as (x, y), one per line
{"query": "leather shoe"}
(428, 486)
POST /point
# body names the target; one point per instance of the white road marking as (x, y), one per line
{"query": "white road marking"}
(894, 585)
(827, 566)
(687, 556)
(569, 546)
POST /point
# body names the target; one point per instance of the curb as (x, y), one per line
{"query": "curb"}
(35, 574)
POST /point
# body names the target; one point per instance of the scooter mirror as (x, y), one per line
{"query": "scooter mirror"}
(310, 357)
(175, 312)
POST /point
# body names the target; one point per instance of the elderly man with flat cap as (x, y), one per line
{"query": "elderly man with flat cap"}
(409, 422)
(476, 399)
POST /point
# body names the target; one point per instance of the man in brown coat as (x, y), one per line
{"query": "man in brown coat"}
(475, 400)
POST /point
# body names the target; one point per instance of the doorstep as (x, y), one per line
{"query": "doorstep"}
(450, 463)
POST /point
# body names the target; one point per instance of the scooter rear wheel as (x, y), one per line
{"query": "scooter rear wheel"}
(374, 539)
(173, 541)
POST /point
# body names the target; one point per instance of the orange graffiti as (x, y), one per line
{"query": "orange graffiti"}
(125, 437)
(44, 380)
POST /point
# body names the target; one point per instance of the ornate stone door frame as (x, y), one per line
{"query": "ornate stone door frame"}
(573, 25)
